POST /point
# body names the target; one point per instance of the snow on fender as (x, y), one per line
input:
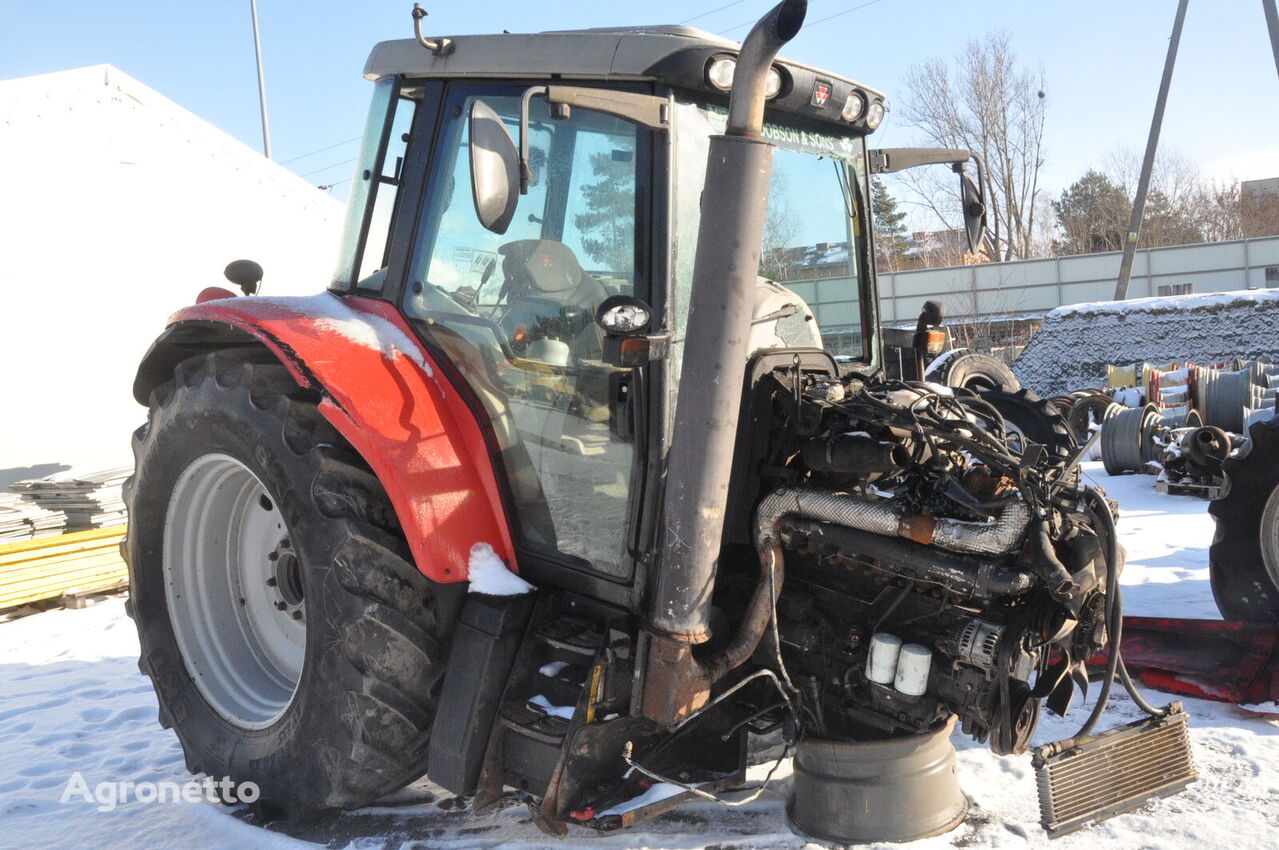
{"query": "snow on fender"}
(489, 574)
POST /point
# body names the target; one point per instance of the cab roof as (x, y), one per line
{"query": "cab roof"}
(676, 56)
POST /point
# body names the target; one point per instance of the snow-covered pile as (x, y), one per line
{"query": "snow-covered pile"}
(74, 703)
(1071, 349)
(87, 499)
(22, 519)
(119, 207)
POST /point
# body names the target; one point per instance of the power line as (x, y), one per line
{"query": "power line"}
(327, 186)
(712, 11)
(806, 23)
(327, 167)
(321, 150)
(845, 12)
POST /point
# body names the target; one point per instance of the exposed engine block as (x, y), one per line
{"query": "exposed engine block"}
(938, 559)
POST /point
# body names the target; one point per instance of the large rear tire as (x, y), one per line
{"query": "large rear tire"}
(1243, 562)
(975, 371)
(290, 640)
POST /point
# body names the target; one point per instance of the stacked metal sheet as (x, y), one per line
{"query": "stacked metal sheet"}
(21, 519)
(89, 500)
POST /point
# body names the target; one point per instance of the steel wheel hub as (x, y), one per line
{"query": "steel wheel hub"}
(235, 593)
(1269, 534)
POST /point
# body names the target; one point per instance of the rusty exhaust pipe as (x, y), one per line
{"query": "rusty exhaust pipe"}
(739, 165)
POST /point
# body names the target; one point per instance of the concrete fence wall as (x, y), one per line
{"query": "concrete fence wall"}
(1037, 286)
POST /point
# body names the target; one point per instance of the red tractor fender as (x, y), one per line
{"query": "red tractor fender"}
(385, 394)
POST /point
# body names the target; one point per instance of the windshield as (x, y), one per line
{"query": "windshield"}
(812, 232)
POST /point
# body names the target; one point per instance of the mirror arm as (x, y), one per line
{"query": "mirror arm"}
(526, 174)
(644, 109)
(890, 160)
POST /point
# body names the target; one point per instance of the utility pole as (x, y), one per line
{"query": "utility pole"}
(1148, 164)
(1272, 24)
(257, 48)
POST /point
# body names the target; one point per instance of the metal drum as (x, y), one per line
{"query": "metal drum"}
(891, 789)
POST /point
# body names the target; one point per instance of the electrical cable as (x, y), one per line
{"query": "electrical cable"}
(327, 167)
(319, 150)
(809, 23)
(711, 12)
(1101, 511)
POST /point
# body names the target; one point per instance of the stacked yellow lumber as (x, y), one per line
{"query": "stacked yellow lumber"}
(50, 567)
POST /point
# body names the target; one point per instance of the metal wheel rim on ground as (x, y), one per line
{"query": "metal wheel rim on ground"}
(1269, 535)
(234, 591)
(1124, 437)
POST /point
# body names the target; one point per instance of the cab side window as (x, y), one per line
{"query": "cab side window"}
(516, 312)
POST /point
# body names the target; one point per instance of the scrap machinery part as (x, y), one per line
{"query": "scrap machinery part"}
(1226, 394)
(1127, 442)
(1087, 412)
(974, 371)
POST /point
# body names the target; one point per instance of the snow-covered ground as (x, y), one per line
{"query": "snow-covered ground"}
(72, 700)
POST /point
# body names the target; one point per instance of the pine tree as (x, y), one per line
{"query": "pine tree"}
(890, 228)
(1093, 214)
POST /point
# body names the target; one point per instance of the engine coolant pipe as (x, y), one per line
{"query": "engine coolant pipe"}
(738, 168)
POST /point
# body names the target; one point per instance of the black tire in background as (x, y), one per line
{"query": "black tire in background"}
(357, 723)
(1243, 561)
(975, 371)
(1035, 418)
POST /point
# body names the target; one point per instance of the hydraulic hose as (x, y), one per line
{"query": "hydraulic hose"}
(1114, 613)
(758, 615)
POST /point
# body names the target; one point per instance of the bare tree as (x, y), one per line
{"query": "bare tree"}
(781, 228)
(1182, 207)
(1222, 213)
(985, 320)
(986, 104)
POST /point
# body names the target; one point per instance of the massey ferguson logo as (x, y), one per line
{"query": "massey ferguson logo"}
(821, 93)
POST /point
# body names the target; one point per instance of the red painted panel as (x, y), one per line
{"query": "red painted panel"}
(386, 395)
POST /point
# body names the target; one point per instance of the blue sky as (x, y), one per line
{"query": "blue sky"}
(1102, 62)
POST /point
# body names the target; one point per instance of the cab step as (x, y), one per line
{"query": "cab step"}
(1113, 772)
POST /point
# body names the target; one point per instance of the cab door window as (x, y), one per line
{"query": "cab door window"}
(516, 312)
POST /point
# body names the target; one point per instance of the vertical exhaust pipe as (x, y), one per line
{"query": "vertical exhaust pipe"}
(733, 207)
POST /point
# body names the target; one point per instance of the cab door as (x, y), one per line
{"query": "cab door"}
(514, 313)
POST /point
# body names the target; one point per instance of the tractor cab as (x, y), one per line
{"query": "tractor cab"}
(612, 128)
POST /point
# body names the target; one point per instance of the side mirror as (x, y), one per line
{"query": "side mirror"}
(931, 315)
(495, 168)
(930, 338)
(974, 211)
(245, 274)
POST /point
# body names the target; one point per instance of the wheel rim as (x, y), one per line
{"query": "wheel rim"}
(235, 593)
(1270, 536)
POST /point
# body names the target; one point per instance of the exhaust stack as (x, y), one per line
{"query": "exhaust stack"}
(739, 165)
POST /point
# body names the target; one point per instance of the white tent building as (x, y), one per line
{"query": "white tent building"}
(117, 206)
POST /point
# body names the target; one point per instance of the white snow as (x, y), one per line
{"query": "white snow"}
(552, 668)
(1169, 302)
(940, 360)
(489, 575)
(1130, 397)
(72, 699)
(120, 207)
(564, 711)
(364, 329)
(655, 794)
